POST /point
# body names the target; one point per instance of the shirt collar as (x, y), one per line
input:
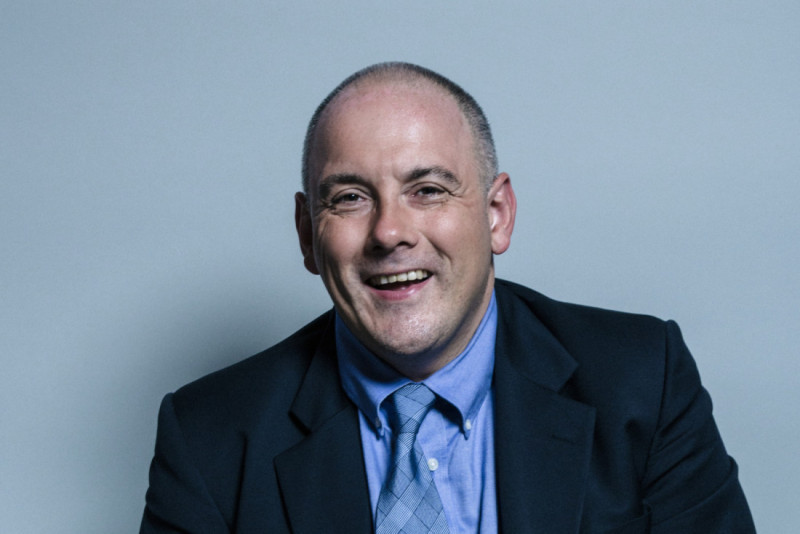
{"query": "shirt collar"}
(463, 383)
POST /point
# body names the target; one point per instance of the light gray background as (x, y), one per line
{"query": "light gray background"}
(150, 151)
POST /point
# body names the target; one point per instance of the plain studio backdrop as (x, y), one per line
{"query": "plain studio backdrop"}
(149, 153)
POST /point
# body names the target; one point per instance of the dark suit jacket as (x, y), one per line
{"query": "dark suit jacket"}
(601, 425)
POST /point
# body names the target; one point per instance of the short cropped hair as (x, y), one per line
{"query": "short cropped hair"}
(485, 154)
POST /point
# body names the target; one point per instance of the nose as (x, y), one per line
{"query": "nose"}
(392, 226)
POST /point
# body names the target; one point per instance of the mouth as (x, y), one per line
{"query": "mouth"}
(398, 280)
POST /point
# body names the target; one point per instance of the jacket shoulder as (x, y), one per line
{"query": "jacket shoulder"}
(570, 322)
(609, 348)
(270, 377)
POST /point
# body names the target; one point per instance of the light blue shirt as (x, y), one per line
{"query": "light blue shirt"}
(457, 441)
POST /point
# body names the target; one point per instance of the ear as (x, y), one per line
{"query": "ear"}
(502, 208)
(305, 233)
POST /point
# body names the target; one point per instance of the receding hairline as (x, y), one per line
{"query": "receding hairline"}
(415, 77)
(392, 78)
(380, 83)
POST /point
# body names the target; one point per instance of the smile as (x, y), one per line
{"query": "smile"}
(409, 276)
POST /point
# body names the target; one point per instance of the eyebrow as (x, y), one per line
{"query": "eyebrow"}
(436, 170)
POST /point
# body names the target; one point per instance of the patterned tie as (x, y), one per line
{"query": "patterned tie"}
(409, 502)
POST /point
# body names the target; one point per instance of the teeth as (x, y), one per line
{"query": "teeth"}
(410, 276)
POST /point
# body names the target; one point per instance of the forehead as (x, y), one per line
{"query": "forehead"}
(374, 119)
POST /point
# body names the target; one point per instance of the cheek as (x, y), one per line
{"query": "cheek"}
(460, 234)
(336, 244)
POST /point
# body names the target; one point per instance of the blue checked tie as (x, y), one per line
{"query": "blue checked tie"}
(409, 502)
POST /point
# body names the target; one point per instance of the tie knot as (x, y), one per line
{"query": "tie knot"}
(408, 406)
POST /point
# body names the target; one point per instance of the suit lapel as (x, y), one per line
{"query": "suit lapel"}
(543, 440)
(322, 479)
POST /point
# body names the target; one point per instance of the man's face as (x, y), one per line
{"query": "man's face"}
(399, 225)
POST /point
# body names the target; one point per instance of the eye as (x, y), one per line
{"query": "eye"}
(346, 198)
(429, 191)
(349, 201)
(429, 194)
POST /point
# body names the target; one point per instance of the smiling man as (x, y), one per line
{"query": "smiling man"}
(401, 220)
(433, 397)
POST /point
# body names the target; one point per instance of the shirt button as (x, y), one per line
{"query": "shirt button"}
(468, 424)
(433, 464)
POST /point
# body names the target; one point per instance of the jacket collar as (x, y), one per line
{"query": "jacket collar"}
(322, 478)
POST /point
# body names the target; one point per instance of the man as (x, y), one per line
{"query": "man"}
(529, 415)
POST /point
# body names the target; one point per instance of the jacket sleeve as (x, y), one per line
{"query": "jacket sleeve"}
(690, 483)
(177, 499)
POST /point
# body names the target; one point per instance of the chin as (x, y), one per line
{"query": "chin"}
(411, 350)
(407, 338)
